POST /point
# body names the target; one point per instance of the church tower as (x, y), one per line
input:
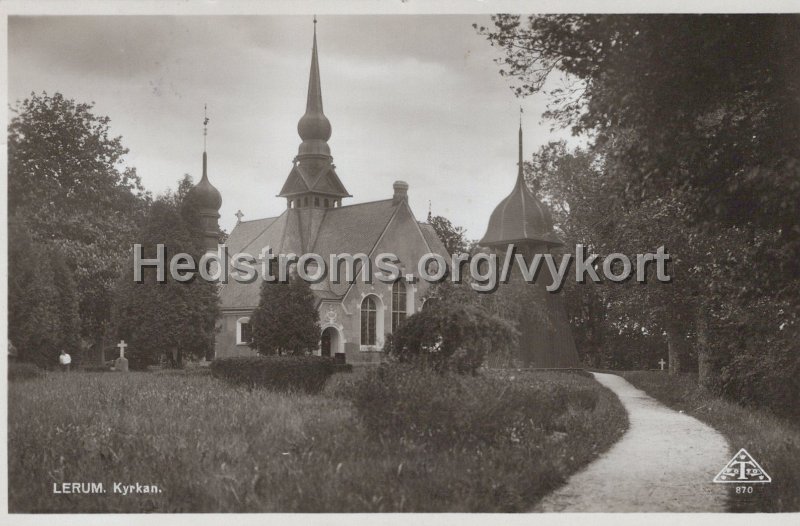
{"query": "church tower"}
(312, 182)
(207, 199)
(521, 219)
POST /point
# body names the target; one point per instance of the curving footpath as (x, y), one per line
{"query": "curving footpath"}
(665, 462)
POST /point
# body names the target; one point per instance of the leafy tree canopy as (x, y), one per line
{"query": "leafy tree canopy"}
(68, 181)
(176, 319)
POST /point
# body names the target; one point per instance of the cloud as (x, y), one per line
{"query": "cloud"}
(413, 98)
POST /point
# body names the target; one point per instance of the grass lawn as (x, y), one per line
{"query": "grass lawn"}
(209, 446)
(773, 442)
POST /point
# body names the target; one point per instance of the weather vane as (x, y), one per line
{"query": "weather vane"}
(205, 125)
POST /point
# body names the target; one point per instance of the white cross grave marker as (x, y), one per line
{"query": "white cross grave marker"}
(122, 346)
(662, 363)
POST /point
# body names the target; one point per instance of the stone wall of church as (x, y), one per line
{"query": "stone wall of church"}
(225, 344)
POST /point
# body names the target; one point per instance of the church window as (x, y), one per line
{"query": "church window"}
(327, 203)
(368, 321)
(398, 303)
(244, 333)
(316, 201)
(305, 201)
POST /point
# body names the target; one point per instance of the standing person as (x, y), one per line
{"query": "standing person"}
(64, 359)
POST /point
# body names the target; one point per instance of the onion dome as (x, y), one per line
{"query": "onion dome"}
(314, 127)
(204, 195)
(520, 217)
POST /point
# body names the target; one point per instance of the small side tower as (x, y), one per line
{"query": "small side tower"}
(208, 201)
(521, 219)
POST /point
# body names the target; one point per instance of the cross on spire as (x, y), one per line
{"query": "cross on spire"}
(239, 215)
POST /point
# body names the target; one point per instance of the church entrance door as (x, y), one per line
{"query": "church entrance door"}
(327, 337)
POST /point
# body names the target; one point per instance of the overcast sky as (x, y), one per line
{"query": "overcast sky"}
(416, 98)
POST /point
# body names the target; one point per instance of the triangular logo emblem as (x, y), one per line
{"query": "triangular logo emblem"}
(742, 469)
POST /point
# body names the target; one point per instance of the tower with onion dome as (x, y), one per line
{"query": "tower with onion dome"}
(520, 219)
(313, 182)
(207, 200)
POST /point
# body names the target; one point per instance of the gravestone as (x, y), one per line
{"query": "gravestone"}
(121, 363)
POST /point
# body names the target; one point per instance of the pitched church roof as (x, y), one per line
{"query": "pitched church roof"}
(304, 179)
(350, 229)
(520, 217)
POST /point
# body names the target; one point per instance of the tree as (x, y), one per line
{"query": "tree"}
(286, 320)
(176, 319)
(451, 236)
(42, 301)
(68, 179)
(693, 125)
(451, 336)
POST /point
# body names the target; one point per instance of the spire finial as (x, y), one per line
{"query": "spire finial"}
(430, 216)
(205, 135)
(239, 215)
(314, 128)
(520, 172)
(205, 125)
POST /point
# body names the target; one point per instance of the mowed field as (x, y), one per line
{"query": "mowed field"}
(209, 446)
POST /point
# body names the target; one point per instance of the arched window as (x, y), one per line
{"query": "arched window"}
(327, 203)
(398, 303)
(305, 201)
(368, 321)
(243, 333)
(316, 201)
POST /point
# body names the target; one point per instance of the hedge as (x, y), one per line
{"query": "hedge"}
(23, 371)
(278, 373)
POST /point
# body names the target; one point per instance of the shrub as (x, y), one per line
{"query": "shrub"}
(450, 337)
(23, 371)
(441, 411)
(292, 307)
(343, 368)
(278, 373)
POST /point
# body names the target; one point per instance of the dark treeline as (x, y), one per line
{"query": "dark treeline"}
(75, 211)
(693, 130)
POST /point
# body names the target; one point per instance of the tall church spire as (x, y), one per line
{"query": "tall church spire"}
(313, 182)
(314, 127)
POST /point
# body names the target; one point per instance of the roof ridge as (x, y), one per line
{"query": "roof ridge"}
(360, 204)
(261, 233)
(260, 219)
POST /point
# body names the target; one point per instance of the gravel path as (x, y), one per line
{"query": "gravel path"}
(664, 462)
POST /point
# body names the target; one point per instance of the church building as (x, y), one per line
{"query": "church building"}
(354, 318)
